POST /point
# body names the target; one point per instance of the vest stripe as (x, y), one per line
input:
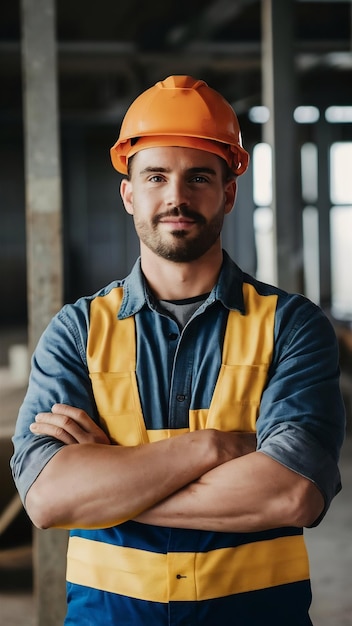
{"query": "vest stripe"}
(247, 353)
(112, 371)
(202, 575)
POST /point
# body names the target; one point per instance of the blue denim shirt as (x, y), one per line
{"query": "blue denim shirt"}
(301, 423)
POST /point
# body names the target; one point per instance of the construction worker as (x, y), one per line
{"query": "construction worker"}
(185, 422)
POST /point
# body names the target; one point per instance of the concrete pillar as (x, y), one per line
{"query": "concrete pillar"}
(278, 79)
(44, 255)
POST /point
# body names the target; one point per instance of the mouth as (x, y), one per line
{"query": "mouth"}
(182, 220)
(180, 223)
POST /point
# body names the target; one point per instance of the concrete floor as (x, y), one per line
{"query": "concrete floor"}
(329, 545)
(330, 550)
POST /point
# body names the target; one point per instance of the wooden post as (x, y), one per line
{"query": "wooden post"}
(44, 248)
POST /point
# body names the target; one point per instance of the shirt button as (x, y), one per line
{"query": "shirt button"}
(180, 397)
(173, 336)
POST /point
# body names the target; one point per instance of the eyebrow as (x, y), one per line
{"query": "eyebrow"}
(190, 171)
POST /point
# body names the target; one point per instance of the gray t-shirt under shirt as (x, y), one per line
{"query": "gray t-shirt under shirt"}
(182, 310)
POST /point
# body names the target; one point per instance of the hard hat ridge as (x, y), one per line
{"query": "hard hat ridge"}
(180, 82)
(181, 111)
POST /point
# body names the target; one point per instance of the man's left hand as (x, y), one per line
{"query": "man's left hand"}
(69, 425)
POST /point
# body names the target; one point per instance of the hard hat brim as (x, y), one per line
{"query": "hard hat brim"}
(236, 157)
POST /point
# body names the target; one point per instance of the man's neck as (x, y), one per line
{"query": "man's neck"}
(175, 281)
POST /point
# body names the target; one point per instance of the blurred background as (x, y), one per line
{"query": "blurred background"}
(69, 71)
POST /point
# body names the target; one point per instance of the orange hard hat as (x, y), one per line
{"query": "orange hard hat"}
(181, 111)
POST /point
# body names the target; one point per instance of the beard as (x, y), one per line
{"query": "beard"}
(178, 245)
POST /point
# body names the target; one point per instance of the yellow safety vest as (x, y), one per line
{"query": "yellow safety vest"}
(247, 353)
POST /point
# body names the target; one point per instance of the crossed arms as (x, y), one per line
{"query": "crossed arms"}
(207, 480)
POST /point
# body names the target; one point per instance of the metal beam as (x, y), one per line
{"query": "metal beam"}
(44, 255)
(208, 22)
(323, 141)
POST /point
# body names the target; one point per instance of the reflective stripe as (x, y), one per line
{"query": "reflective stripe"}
(186, 576)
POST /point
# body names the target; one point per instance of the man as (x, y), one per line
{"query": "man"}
(205, 405)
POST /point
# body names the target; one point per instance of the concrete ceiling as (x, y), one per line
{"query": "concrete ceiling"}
(109, 51)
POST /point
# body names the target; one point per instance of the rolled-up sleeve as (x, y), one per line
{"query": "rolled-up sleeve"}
(302, 418)
(58, 375)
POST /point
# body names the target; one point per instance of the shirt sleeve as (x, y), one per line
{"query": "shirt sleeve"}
(302, 417)
(58, 374)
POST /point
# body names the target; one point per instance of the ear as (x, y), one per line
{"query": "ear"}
(127, 195)
(230, 191)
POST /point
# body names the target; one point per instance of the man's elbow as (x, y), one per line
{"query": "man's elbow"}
(306, 506)
(39, 508)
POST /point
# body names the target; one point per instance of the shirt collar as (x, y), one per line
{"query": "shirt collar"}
(135, 294)
(228, 289)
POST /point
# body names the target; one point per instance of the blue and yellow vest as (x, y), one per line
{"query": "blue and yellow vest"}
(195, 573)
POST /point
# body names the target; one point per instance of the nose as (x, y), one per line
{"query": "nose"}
(177, 193)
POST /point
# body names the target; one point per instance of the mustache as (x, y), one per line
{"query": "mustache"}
(179, 212)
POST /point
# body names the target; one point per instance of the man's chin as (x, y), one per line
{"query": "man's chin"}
(184, 254)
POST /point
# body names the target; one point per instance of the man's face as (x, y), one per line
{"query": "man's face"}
(178, 199)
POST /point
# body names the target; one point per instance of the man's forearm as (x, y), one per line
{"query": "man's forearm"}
(247, 494)
(94, 485)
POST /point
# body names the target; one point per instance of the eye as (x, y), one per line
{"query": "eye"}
(156, 178)
(199, 179)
